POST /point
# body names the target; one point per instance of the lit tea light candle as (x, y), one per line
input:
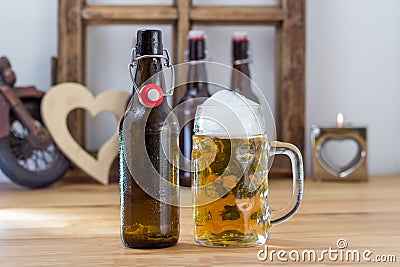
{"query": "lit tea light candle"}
(341, 136)
(340, 119)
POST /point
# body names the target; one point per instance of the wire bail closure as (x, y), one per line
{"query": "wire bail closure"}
(166, 57)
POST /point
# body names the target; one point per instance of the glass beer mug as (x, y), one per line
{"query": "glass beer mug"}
(231, 159)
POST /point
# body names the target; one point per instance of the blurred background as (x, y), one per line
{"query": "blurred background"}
(352, 63)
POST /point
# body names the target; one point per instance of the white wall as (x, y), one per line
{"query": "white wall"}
(353, 63)
(29, 39)
(353, 58)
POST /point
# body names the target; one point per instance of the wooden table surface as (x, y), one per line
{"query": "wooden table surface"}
(78, 224)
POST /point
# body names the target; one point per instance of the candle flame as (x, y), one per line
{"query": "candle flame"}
(340, 119)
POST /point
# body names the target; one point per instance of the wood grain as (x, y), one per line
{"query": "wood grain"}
(290, 80)
(78, 224)
(182, 29)
(292, 91)
(110, 14)
(183, 25)
(70, 67)
(238, 14)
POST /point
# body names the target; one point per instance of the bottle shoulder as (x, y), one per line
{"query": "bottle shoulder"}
(151, 118)
(162, 117)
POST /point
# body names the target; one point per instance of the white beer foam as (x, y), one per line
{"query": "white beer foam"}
(229, 114)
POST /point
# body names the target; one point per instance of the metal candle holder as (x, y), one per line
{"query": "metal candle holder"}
(356, 169)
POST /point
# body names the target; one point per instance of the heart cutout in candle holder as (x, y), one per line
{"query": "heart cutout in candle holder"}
(339, 146)
(66, 97)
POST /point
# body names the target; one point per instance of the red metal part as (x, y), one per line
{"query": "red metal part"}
(28, 92)
(10, 98)
(7, 75)
(4, 121)
(21, 93)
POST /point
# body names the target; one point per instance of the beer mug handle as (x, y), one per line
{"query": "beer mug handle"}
(280, 148)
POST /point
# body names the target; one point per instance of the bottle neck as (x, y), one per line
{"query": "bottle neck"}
(197, 49)
(197, 74)
(240, 56)
(241, 78)
(148, 72)
(197, 80)
(240, 49)
(240, 81)
(146, 69)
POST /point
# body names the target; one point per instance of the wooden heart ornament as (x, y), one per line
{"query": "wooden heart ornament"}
(64, 98)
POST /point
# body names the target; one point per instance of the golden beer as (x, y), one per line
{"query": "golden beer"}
(230, 190)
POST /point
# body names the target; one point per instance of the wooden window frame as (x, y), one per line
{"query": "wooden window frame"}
(288, 16)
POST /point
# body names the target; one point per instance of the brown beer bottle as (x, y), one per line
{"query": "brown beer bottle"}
(195, 93)
(241, 60)
(149, 154)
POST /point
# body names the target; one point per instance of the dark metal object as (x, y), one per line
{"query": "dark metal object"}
(28, 155)
(38, 136)
(20, 93)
